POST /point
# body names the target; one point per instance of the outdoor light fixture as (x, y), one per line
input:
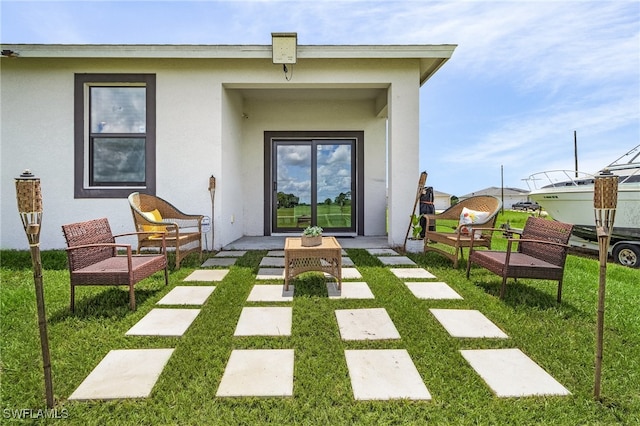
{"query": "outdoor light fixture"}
(605, 199)
(284, 48)
(30, 209)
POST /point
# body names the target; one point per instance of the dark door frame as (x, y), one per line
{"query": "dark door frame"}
(269, 178)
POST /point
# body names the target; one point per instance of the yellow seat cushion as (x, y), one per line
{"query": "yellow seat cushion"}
(154, 216)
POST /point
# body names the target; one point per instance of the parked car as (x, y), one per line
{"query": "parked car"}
(526, 205)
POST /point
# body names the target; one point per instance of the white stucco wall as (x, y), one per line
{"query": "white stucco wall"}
(201, 132)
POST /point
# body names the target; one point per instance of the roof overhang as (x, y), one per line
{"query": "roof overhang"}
(431, 57)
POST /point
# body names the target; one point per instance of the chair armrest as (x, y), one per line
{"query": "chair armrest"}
(185, 221)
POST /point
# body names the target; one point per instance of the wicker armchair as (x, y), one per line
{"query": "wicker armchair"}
(541, 254)
(93, 258)
(457, 238)
(181, 231)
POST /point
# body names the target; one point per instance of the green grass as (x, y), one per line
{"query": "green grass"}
(560, 338)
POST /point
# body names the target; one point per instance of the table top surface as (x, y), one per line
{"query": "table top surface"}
(295, 243)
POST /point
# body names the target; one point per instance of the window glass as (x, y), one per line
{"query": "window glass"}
(118, 110)
(118, 161)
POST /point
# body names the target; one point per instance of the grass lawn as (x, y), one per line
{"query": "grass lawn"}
(559, 337)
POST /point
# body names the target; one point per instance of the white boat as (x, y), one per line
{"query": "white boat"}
(567, 196)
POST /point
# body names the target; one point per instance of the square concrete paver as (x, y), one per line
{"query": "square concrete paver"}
(261, 372)
(207, 275)
(366, 324)
(384, 374)
(187, 295)
(270, 274)
(272, 261)
(264, 321)
(124, 373)
(164, 322)
(231, 253)
(467, 323)
(383, 252)
(348, 274)
(396, 260)
(275, 253)
(270, 293)
(412, 273)
(432, 290)
(511, 373)
(219, 261)
(350, 290)
(346, 261)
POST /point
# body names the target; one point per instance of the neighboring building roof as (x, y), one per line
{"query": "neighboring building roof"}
(431, 57)
(493, 190)
(440, 194)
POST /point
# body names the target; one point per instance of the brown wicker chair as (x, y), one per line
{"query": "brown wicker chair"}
(182, 231)
(456, 239)
(93, 258)
(541, 254)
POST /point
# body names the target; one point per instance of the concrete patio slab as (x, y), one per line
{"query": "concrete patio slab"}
(207, 275)
(346, 261)
(511, 373)
(264, 321)
(261, 372)
(187, 295)
(270, 293)
(272, 262)
(382, 252)
(396, 260)
(366, 324)
(231, 253)
(275, 253)
(270, 274)
(123, 373)
(432, 290)
(219, 261)
(350, 290)
(411, 273)
(384, 374)
(348, 274)
(467, 323)
(164, 322)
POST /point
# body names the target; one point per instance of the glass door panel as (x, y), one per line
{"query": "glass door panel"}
(334, 185)
(292, 186)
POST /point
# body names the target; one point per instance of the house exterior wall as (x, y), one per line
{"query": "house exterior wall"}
(201, 132)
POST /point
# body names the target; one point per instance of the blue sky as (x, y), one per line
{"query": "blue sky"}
(524, 76)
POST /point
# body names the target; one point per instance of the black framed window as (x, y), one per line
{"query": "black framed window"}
(114, 134)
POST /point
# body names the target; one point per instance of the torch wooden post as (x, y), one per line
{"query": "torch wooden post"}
(30, 209)
(605, 198)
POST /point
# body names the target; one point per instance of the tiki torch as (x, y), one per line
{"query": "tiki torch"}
(30, 209)
(605, 199)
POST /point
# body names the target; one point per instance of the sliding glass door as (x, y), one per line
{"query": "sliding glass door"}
(314, 184)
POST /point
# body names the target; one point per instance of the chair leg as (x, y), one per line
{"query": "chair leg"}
(503, 290)
(166, 275)
(132, 297)
(559, 290)
(468, 266)
(73, 298)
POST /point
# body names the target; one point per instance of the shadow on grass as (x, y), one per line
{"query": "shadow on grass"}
(310, 284)
(113, 302)
(519, 293)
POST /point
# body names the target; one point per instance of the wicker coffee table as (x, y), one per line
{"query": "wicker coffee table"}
(327, 257)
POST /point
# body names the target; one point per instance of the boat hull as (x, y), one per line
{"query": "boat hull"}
(573, 204)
